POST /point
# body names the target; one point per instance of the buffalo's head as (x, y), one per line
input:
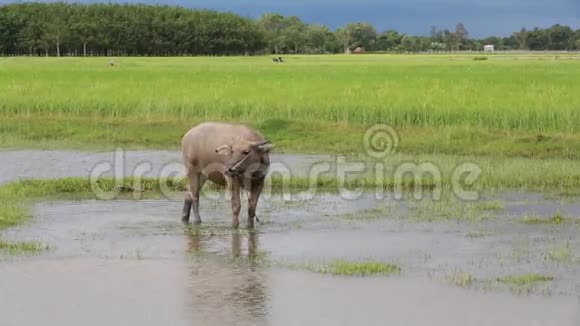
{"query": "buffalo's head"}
(245, 157)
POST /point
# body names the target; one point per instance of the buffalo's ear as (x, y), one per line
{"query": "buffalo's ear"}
(224, 150)
(264, 146)
(267, 148)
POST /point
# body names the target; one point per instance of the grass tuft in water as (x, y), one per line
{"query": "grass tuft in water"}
(369, 214)
(525, 280)
(557, 219)
(460, 278)
(22, 247)
(348, 268)
(477, 234)
(560, 254)
(489, 206)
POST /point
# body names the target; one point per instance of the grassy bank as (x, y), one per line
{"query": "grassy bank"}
(506, 106)
(559, 176)
(60, 132)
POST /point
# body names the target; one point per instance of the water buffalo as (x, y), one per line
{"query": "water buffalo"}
(229, 155)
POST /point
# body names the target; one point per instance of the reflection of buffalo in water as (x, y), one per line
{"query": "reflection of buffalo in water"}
(227, 288)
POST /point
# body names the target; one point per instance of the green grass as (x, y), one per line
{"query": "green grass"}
(477, 235)
(498, 174)
(406, 91)
(460, 278)
(439, 104)
(368, 214)
(556, 219)
(16, 198)
(57, 131)
(449, 208)
(525, 280)
(560, 254)
(489, 206)
(12, 210)
(13, 248)
(503, 114)
(348, 268)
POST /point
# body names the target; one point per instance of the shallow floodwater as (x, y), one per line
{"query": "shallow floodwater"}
(128, 262)
(156, 292)
(22, 164)
(132, 262)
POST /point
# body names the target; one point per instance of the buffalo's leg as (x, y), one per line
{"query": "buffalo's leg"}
(236, 204)
(196, 181)
(255, 192)
(195, 196)
(186, 206)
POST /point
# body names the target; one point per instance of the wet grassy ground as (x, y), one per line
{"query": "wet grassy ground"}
(152, 170)
(508, 258)
(511, 257)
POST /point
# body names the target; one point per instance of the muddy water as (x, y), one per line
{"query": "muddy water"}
(132, 263)
(94, 292)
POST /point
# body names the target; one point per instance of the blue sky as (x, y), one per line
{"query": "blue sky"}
(481, 17)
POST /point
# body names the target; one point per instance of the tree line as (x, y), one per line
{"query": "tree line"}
(114, 29)
(121, 29)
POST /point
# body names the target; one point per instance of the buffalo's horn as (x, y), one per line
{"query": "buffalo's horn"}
(262, 143)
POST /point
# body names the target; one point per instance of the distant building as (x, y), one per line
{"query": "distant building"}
(489, 48)
(359, 50)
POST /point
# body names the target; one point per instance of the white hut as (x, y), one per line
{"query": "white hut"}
(489, 48)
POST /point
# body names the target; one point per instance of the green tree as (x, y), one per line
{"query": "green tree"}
(538, 39)
(59, 28)
(294, 34)
(344, 37)
(273, 25)
(357, 34)
(318, 39)
(388, 40)
(460, 35)
(560, 37)
(522, 38)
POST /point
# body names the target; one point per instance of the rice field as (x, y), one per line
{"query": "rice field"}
(539, 93)
(517, 106)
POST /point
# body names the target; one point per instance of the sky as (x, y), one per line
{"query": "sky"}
(481, 17)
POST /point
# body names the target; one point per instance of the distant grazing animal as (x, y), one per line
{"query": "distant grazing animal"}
(280, 59)
(112, 63)
(275, 60)
(229, 155)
